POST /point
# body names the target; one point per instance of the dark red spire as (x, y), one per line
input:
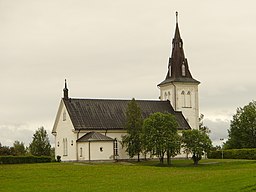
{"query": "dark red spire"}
(178, 69)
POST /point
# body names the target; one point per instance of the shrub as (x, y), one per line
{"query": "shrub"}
(233, 154)
(24, 159)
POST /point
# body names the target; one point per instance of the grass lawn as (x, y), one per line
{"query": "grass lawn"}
(210, 175)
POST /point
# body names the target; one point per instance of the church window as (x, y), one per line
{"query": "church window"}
(65, 146)
(64, 116)
(183, 69)
(180, 44)
(72, 143)
(169, 95)
(183, 99)
(116, 147)
(81, 152)
(58, 144)
(188, 99)
(101, 149)
(165, 96)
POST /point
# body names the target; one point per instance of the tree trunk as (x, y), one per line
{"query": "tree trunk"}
(138, 157)
(168, 158)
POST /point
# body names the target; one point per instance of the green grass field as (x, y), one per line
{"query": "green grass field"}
(210, 175)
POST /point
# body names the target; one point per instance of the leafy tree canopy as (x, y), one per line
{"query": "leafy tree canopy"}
(40, 145)
(242, 132)
(19, 148)
(160, 135)
(196, 142)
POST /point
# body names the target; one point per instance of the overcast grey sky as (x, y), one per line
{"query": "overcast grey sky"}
(120, 49)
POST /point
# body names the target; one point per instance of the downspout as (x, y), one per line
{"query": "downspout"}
(89, 151)
(77, 137)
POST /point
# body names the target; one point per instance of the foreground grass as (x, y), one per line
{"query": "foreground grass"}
(210, 175)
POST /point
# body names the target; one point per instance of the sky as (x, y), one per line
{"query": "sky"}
(119, 49)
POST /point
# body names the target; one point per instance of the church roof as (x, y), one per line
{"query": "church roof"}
(178, 69)
(106, 114)
(94, 136)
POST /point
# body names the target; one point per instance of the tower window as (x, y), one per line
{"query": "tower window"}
(183, 99)
(165, 96)
(183, 69)
(188, 99)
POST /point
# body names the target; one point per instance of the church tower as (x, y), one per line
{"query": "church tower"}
(179, 87)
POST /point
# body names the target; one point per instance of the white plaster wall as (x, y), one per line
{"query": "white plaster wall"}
(190, 113)
(105, 154)
(65, 130)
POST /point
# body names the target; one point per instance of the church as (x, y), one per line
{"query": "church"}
(92, 129)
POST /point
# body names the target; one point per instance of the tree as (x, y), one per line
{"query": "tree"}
(133, 141)
(202, 127)
(19, 148)
(242, 132)
(40, 144)
(196, 142)
(160, 135)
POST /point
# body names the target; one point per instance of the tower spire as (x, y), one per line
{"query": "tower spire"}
(176, 17)
(65, 91)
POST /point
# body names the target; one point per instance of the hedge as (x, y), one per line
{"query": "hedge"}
(233, 154)
(24, 159)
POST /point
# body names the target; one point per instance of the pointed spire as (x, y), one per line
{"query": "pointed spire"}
(176, 17)
(65, 91)
(178, 69)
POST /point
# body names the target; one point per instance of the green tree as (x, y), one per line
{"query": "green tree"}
(19, 148)
(202, 127)
(40, 144)
(133, 141)
(242, 132)
(197, 143)
(160, 135)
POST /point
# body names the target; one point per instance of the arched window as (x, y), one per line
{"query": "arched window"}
(165, 96)
(183, 69)
(188, 99)
(169, 95)
(81, 152)
(65, 146)
(183, 99)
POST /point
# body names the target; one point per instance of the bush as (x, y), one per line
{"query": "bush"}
(233, 154)
(24, 159)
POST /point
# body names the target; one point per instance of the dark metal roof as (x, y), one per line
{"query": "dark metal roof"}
(94, 136)
(105, 114)
(177, 62)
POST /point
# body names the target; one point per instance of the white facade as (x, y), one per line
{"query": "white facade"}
(69, 149)
(183, 96)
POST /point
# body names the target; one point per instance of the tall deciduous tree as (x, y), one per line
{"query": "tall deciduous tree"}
(242, 132)
(40, 144)
(19, 148)
(133, 140)
(160, 135)
(196, 142)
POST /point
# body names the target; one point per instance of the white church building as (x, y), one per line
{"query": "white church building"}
(92, 129)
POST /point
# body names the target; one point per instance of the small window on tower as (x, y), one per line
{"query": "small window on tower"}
(183, 69)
